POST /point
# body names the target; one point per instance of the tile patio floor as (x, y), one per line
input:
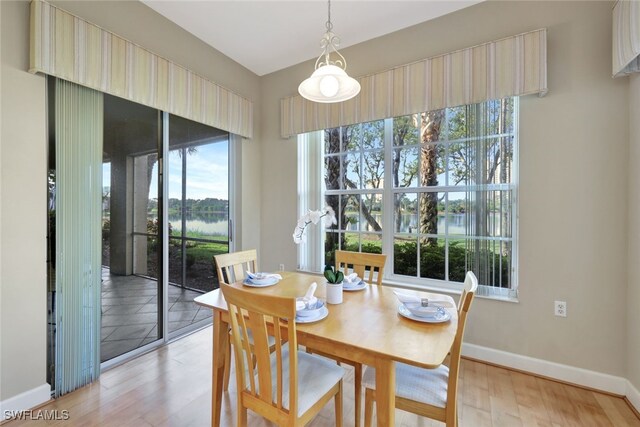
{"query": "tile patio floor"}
(130, 312)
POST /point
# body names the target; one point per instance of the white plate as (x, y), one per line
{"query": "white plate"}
(360, 286)
(404, 311)
(321, 315)
(263, 282)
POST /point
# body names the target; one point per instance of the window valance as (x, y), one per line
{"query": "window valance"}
(511, 66)
(68, 47)
(626, 38)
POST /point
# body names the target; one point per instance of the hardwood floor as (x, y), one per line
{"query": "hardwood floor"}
(171, 387)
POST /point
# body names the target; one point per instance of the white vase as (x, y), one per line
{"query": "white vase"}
(334, 293)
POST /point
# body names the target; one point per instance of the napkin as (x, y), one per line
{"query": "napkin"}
(262, 276)
(409, 298)
(308, 298)
(351, 279)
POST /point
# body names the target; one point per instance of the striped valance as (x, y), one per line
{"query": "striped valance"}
(68, 47)
(626, 37)
(509, 67)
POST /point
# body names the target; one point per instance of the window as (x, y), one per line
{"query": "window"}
(435, 189)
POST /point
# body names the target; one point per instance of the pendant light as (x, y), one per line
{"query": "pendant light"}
(329, 82)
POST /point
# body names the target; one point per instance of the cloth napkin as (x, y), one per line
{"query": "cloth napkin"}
(409, 298)
(308, 298)
(351, 279)
(262, 276)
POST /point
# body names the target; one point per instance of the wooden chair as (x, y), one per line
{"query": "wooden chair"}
(231, 267)
(361, 263)
(364, 264)
(428, 392)
(289, 387)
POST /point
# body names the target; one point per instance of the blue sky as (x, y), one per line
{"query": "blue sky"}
(207, 173)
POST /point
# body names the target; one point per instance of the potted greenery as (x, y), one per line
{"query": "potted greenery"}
(334, 284)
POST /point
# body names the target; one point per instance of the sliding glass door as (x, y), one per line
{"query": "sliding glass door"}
(164, 215)
(198, 212)
(132, 312)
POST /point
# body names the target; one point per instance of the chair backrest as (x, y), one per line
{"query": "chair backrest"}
(361, 263)
(470, 282)
(470, 288)
(261, 314)
(231, 267)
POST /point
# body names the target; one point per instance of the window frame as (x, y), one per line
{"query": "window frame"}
(389, 192)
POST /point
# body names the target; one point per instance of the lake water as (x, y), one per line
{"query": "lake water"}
(207, 224)
(409, 223)
(215, 224)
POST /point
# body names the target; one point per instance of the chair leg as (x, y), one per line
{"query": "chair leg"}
(368, 407)
(242, 415)
(358, 393)
(338, 403)
(227, 367)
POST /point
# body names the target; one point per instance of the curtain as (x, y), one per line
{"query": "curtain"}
(78, 191)
(489, 203)
(68, 47)
(310, 197)
(626, 38)
(512, 66)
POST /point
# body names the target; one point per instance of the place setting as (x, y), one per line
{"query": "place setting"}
(353, 283)
(310, 309)
(261, 280)
(426, 310)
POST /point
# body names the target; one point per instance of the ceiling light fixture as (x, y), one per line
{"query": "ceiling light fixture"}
(329, 82)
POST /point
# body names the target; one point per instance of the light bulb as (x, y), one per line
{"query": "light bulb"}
(329, 86)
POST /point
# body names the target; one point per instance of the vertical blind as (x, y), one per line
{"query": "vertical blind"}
(78, 150)
(68, 47)
(626, 38)
(512, 66)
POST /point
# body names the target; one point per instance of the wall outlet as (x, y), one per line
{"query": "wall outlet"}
(561, 308)
(281, 267)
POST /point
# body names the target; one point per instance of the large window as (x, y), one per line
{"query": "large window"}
(437, 190)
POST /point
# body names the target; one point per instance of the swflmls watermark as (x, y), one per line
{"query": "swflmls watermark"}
(37, 415)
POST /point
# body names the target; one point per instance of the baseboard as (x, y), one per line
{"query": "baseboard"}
(27, 400)
(633, 397)
(570, 374)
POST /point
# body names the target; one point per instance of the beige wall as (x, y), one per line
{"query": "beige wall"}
(633, 298)
(23, 277)
(23, 167)
(23, 227)
(573, 178)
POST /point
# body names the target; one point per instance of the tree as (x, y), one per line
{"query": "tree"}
(404, 133)
(430, 124)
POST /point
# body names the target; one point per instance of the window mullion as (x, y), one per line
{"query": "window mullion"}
(387, 198)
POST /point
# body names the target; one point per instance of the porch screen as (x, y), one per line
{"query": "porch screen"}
(512, 66)
(68, 47)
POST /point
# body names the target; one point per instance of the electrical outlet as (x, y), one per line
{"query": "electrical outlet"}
(281, 267)
(561, 308)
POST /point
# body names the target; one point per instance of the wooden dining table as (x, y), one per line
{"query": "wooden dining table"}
(366, 327)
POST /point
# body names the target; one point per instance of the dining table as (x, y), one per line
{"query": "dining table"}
(366, 328)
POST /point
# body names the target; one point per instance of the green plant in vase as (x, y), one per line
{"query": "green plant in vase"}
(333, 276)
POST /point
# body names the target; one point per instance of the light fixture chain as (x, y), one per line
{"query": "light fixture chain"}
(329, 25)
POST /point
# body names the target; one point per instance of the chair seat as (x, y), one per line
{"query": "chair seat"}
(316, 376)
(418, 384)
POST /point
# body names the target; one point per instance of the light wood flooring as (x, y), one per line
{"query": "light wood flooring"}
(171, 387)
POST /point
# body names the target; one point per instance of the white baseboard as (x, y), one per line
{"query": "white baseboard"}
(570, 374)
(27, 400)
(633, 396)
